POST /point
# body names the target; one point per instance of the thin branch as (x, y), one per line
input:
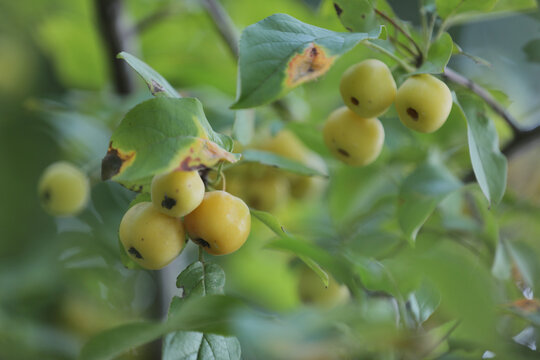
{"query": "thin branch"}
(111, 23)
(223, 23)
(521, 139)
(403, 31)
(402, 63)
(150, 20)
(485, 95)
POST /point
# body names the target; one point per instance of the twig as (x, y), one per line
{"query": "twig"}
(223, 23)
(227, 30)
(485, 95)
(403, 31)
(150, 21)
(109, 14)
(402, 63)
(521, 139)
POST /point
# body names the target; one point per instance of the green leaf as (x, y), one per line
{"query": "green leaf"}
(211, 314)
(275, 160)
(317, 269)
(502, 264)
(156, 83)
(420, 193)
(270, 221)
(452, 8)
(424, 302)
(488, 163)
(159, 135)
(532, 50)
(438, 56)
(526, 261)
(280, 52)
(244, 126)
(188, 345)
(200, 279)
(357, 15)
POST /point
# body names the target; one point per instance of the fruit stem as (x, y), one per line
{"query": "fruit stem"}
(201, 254)
(403, 31)
(400, 61)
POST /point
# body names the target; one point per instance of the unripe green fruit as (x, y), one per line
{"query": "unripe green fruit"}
(221, 224)
(177, 193)
(352, 139)
(368, 88)
(151, 238)
(312, 290)
(63, 189)
(423, 103)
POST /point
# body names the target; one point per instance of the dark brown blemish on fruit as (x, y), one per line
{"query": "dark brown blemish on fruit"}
(343, 152)
(412, 113)
(338, 9)
(354, 100)
(168, 203)
(135, 253)
(46, 195)
(114, 161)
(201, 242)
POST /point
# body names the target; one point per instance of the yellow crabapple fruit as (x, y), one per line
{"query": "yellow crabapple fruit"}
(177, 193)
(368, 88)
(151, 238)
(63, 189)
(220, 224)
(352, 139)
(423, 103)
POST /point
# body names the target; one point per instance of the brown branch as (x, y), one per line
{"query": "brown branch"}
(150, 20)
(109, 14)
(420, 55)
(485, 95)
(223, 23)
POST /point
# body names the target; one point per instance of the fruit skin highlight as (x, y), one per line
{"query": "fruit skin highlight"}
(368, 88)
(423, 103)
(352, 139)
(221, 224)
(63, 189)
(177, 193)
(151, 238)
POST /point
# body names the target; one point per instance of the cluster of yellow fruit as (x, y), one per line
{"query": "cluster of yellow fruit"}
(353, 133)
(63, 189)
(153, 233)
(265, 188)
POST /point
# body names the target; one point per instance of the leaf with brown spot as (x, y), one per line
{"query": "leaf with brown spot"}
(159, 135)
(280, 52)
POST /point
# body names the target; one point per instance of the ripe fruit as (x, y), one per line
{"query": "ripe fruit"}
(221, 224)
(312, 290)
(261, 189)
(352, 139)
(286, 144)
(368, 88)
(63, 189)
(151, 238)
(177, 193)
(423, 103)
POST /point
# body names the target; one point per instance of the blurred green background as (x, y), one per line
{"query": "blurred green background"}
(61, 280)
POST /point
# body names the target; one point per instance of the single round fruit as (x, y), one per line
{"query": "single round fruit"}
(221, 224)
(312, 290)
(177, 193)
(63, 189)
(368, 88)
(423, 103)
(151, 238)
(352, 139)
